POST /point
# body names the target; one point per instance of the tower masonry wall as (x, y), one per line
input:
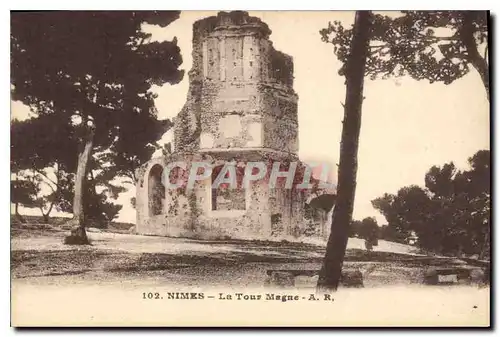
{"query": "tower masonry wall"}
(240, 107)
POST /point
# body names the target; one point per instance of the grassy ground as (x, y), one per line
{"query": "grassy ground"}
(103, 284)
(38, 255)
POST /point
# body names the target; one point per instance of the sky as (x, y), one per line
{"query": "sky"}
(407, 125)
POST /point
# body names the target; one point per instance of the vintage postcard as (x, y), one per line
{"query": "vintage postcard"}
(250, 168)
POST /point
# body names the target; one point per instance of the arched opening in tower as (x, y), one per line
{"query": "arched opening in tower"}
(156, 190)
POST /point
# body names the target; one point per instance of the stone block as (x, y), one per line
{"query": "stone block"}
(478, 276)
(352, 279)
(282, 279)
(446, 276)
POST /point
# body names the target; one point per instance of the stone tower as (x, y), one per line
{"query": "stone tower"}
(241, 90)
(241, 107)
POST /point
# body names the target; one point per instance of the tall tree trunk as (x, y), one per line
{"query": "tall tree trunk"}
(330, 273)
(78, 233)
(480, 63)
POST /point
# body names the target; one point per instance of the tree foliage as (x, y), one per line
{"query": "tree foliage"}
(355, 229)
(87, 77)
(42, 158)
(23, 192)
(98, 65)
(43, 150)
(438, 46)
(450, 215)
(369, 232)
(366, 229)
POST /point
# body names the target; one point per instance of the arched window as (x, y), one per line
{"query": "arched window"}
(156, 190)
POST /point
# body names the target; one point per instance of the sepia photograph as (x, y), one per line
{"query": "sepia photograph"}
(250, 168)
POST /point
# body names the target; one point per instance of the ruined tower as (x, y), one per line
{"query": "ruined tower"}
(241, 89)
(240, 107)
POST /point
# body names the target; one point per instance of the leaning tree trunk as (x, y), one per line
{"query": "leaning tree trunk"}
(46, 216)
(78, 233)
(19, 216)
(330, 273)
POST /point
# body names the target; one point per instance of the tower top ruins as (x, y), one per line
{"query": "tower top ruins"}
(237, 21)
(241, 93)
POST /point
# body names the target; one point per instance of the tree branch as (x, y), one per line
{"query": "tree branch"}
(46, 177)
(440, 38)
(466, 32)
